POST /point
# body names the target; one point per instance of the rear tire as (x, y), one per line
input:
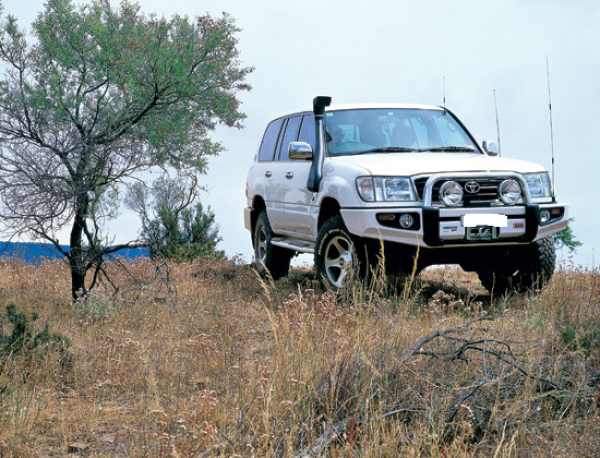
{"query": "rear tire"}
(269, 258)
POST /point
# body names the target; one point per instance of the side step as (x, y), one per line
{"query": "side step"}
(302, 246)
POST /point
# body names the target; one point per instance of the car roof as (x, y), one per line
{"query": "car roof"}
(363, 106)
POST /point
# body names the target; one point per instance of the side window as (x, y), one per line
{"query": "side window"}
(307, 130)
(291, 134)
(267, 147)
(280, 141)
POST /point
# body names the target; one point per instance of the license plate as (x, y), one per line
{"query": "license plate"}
(482, 233)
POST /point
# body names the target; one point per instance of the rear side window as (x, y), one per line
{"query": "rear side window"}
(291, 134)
(267, 147)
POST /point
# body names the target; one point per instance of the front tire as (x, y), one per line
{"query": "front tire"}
(523, 269)
(337, 260)
(269, 258)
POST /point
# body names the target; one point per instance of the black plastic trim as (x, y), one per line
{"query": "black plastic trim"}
(553, 219)
(431, 226)
(532, 221)
(395, 223)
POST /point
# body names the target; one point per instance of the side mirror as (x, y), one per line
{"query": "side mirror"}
(300, 151)
(490, 147)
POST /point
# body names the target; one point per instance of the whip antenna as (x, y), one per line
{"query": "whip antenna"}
(551, 129)
(444, 95)
(497, 125)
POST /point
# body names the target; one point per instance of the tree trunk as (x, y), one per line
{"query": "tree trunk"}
(76, 255)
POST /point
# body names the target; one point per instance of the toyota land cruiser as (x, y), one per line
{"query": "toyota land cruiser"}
(341, 182)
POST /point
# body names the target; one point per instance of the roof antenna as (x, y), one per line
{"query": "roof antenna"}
(497, 125)
(551, 129)
(444, 98)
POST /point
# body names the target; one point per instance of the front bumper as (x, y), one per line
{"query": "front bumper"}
(441, 227)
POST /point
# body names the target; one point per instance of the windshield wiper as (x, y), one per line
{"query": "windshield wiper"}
(388, 149)
(451, 149)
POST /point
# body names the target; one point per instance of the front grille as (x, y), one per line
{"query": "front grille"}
(486, 196)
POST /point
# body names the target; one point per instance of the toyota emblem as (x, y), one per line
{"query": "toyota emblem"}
(472, 187)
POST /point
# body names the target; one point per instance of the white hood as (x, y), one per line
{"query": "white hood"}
(407, 164)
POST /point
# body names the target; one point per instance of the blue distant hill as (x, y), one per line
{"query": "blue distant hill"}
(32, 253)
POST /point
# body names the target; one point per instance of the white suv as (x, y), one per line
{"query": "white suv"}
(343, 181)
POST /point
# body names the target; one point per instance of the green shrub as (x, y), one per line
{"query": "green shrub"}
(584, 336)
(95, 306)
(30, 345)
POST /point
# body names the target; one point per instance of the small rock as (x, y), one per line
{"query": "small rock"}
(77, 447)
(109, 438)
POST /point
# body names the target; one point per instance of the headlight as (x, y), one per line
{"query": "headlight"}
(385, 189)
(451, 193)
(539, 184)
(510, 192)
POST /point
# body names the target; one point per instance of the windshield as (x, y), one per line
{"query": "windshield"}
(397, 130)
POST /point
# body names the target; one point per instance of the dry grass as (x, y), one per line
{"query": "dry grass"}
(228, 365)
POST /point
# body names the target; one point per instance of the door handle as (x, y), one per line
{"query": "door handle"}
(268, 174)
(289, 175)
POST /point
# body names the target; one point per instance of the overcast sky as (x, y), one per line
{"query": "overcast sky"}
(404, 51)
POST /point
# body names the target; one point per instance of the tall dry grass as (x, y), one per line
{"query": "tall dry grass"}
(226, 364)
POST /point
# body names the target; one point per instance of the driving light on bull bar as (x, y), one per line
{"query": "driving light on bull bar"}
(451, 193)
(510, 192)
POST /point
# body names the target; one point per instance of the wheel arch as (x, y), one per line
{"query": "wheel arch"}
(258, 205)
(328, 209)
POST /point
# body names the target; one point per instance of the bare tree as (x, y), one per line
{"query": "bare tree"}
(98, 97)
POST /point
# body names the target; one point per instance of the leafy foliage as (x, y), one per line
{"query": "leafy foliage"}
(566, 239)
(99, 95)
(187, 234)
(172, 225)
